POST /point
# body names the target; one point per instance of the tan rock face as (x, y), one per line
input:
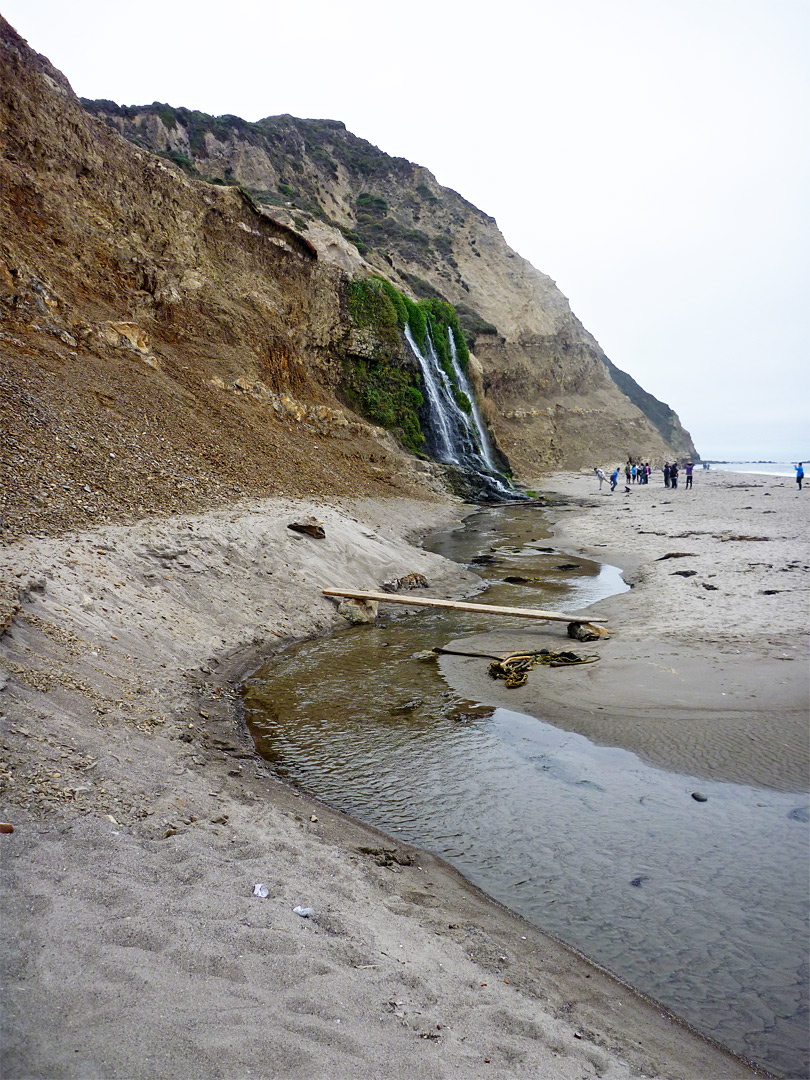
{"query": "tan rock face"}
(126, 335)
(132, 299)
(537, 361)
(169, 341)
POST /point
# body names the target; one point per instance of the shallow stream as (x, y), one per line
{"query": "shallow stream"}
(703, 906)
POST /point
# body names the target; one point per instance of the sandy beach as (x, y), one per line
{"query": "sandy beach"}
(134, 945)
(706, 669)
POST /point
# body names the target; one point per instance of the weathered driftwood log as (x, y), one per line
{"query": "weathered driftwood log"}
(463, 605)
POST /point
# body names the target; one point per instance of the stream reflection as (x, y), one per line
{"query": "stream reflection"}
(701, 905)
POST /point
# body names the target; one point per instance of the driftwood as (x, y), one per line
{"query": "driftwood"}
(311, 527)
(463, 605)
(725, 539)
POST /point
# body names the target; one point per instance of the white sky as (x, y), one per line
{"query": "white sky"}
(652, 156)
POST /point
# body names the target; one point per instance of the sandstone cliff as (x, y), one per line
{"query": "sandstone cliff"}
(168, 341)
(554, 398)
(162, 343)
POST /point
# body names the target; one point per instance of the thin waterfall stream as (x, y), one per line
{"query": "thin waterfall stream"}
(442, 441)
(705, 911)
(453, 436)
(484, 444)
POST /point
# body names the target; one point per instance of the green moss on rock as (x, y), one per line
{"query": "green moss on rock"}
(382, 389)
(387, 395)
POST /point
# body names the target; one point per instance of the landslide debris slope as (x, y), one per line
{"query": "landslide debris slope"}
(552, 396)
(163, 345)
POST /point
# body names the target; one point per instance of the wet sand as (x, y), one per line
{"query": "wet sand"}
(133, 943)
(706, 674)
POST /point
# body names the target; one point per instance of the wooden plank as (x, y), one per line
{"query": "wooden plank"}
(462, 605)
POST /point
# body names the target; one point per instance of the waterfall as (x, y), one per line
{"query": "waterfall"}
(440, 438)
(483, 438)
(452, 436)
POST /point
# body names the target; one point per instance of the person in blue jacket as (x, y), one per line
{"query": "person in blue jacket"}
(799, 474)
(614, 479)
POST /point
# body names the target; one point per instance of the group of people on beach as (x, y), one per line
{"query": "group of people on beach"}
(639, 473)
(672, 472)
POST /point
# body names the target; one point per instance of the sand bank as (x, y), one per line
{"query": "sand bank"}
(706, 671)
(133, 944)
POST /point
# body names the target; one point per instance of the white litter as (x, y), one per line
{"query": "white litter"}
(261, 890)
(304, 912)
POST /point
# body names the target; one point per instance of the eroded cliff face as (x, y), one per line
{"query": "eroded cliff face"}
(162, 343)
(552, 396)
(168, 341)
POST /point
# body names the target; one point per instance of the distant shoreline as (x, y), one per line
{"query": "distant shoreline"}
(754, 468)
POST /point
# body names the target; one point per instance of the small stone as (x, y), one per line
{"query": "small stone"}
(358, 611)
(698, 796)
(580, 631)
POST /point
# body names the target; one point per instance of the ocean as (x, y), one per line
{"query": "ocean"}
(764, 468)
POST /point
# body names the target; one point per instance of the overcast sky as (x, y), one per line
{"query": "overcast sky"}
(652, 156)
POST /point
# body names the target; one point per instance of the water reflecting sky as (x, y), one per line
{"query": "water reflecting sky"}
(703, 905)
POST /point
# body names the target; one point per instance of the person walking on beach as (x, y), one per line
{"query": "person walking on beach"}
(614, 479)
(666, 474)
(673, 474)
(601, 476)
(799, 474)
(689, 467)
